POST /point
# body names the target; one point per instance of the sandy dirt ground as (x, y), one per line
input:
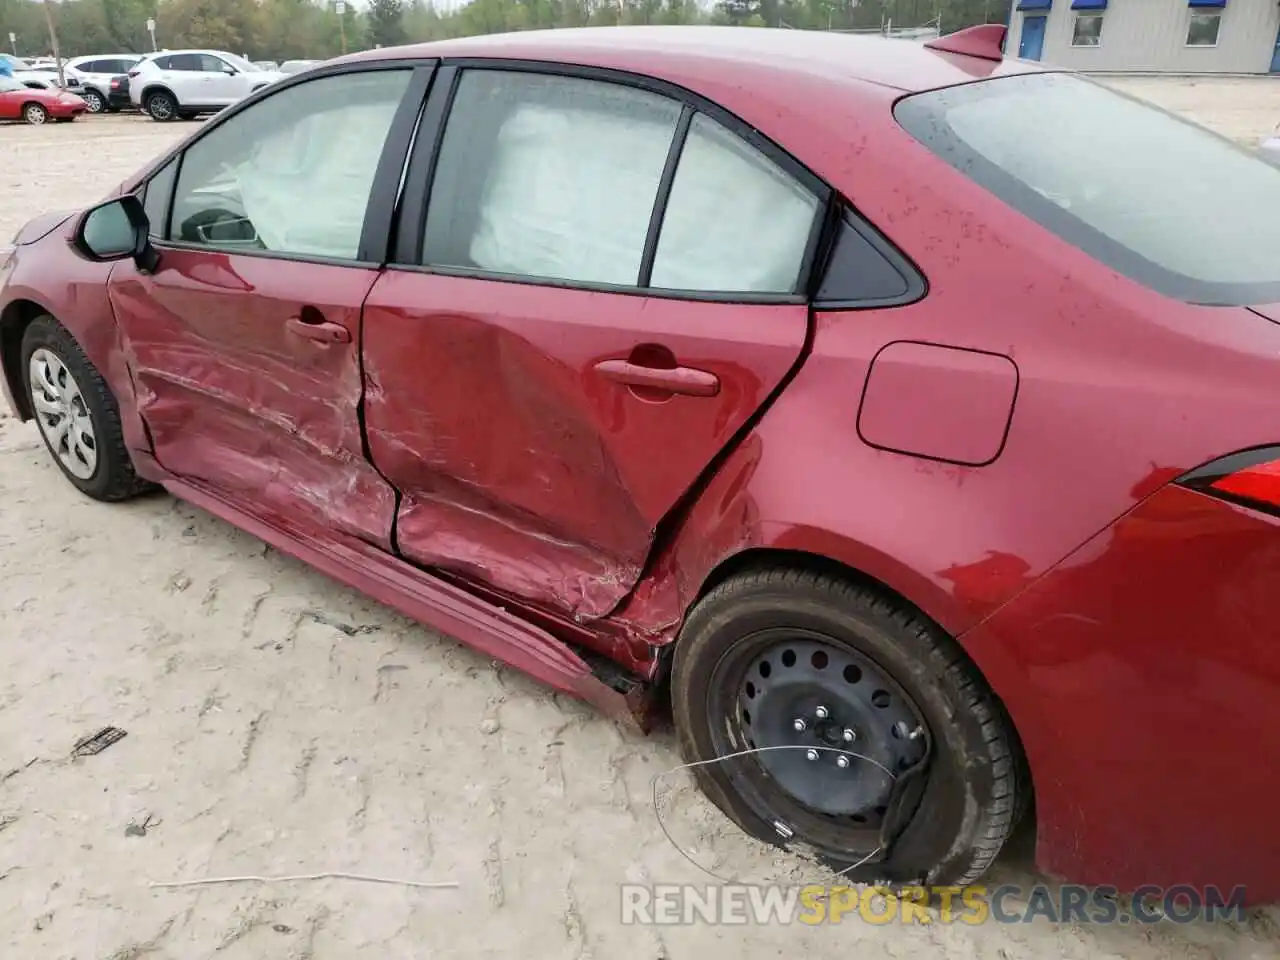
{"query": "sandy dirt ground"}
(278, 723)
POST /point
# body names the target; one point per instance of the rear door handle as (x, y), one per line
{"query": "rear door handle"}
(323, 332)
(687, 380)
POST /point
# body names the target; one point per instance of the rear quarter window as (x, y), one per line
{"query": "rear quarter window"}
(1159, 199)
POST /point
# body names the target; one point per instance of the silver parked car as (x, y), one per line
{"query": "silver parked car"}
(93, 75)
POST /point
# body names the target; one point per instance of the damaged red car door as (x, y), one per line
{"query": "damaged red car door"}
(245, 341)
(600, 291)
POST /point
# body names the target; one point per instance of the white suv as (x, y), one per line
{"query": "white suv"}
(186, 83)
(94, 75)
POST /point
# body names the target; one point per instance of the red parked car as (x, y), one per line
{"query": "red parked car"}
(905, 416)
(20, 102)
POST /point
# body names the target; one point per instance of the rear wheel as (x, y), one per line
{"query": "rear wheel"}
(94, 101)
(76, 413)
(161, 106)
(35, 114)
(880, 749)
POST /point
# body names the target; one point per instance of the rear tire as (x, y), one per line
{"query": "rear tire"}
(161, 106)
(94, 101)
(65, 380)
(792, 639)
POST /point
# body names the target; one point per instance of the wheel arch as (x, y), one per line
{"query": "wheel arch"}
(151, 89)
(34, 103)
(14, 320)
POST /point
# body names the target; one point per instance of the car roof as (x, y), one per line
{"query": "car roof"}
(104, 56)
(169, 53)
(811, 54)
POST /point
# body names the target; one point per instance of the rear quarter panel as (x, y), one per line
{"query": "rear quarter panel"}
(1119, 390)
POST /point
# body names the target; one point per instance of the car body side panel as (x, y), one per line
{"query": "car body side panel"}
(521, 467)
(235, 400)
(73, 290)
(1154, 764)
(1119, 391)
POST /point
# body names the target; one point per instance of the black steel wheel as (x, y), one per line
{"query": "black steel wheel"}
(868, 739)
(836, 731)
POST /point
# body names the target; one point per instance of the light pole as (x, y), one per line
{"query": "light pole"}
(341, 8)
(151, 29)
(53, 42)
(13, 42)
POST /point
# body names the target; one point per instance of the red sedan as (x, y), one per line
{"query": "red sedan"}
(20, 102)
(903, 416)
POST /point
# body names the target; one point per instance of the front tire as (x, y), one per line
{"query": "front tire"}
(828, 674)
(76, 413)
(161, 106)
(35, 114)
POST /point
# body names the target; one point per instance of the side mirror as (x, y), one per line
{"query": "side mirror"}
(117, 230)
(230, 71)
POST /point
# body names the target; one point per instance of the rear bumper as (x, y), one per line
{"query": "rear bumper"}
(1143, 674)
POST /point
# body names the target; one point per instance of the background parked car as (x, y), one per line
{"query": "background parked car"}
(187, 83)
(269, 65)
(297, 66)
(118, 94)
(9, 63)
(94, 74)
(41, 79)
(36, 106)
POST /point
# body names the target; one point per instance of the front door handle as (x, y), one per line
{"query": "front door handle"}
(687, 380)
(323, 331)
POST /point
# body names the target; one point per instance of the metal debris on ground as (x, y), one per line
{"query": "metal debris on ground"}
(135, 829)
(332, 875)
(98, 742)
(338, 625)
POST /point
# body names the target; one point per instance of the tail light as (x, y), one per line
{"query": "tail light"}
(133, 73)
(1250, 478)
(115, 84)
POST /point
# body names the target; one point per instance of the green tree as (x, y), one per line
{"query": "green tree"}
(385, 23)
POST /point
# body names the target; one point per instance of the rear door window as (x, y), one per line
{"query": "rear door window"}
(548, 177)
(735, 221)
(571, 179)
(1167, 203)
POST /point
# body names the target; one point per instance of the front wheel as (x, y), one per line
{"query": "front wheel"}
(35, 114)
(76, 413)
(869, 739)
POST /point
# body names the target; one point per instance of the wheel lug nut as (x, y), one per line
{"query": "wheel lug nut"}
(799, 725)
(842, 761)
(849, 735)
(811, 754)
(822, 713)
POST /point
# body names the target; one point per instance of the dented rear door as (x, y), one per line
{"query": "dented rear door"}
(596, 286)
(527, 457)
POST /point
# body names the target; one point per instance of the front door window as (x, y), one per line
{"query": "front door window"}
(254, 183)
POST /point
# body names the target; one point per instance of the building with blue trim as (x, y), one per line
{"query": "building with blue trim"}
(1158, 36)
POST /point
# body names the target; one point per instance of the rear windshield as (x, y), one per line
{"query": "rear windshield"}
(1158, 199)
